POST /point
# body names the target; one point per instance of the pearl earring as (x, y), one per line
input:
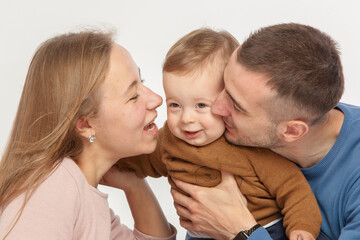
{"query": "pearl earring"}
(91, 138)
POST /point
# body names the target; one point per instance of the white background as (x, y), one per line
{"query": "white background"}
(147, 29)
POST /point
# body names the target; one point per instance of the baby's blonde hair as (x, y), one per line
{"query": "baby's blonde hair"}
(196, 48)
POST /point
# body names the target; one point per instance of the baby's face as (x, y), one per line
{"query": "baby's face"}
(188, 99)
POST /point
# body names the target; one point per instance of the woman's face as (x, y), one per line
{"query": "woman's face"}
(124, 123)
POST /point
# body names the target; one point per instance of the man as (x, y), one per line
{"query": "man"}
(282, 91)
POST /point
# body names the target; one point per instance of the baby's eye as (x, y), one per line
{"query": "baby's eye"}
(201, 105)
(174, 105)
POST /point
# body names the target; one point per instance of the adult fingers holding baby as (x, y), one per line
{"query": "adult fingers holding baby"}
(206, 206)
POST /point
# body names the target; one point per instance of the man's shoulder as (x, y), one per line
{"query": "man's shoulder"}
(347, 108)
(351, 122)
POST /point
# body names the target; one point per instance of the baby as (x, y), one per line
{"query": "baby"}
(191, 146)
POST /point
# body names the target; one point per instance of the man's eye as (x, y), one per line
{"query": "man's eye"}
(236, 108)
(174, 105)
(201, 105)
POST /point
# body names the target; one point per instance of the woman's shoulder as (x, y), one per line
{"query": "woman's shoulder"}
(69, 173)
(65, 180)
(56, 203)
(62, 186)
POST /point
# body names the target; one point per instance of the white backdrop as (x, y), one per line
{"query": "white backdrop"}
(147, 29)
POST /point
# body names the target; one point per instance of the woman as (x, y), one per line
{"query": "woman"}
(83, 107)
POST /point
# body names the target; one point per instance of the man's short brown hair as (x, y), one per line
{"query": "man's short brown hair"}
(302, 63)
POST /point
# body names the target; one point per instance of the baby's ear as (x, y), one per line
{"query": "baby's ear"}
(291, 131)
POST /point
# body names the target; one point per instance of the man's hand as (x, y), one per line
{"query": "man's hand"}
(301, 235)
(220, 212)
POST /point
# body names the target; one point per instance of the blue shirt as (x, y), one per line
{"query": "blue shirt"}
(335, 181)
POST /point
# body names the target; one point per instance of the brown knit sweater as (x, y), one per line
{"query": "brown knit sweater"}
(273, 186)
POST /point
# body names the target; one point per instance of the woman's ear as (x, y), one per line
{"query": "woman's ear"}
(291, 131)
(84, 128)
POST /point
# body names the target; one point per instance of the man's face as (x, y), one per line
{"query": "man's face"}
(244, 106)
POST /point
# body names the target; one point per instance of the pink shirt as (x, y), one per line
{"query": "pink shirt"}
(65, 207)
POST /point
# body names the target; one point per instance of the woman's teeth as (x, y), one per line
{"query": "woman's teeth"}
(150, 127)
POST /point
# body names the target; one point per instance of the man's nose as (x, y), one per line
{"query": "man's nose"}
(221, 105)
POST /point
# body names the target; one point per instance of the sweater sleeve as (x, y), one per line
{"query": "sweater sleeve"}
(50, 213)
(352, 213)
(121, 231)
(146, 164)
(288, 186)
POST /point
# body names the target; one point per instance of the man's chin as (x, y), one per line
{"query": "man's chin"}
(230, 139)
(236, 140)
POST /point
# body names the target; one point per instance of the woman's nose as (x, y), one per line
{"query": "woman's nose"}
(154, 100)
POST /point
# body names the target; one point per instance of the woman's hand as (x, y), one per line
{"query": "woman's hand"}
(220, 212)
(145, 209)
(126, 181)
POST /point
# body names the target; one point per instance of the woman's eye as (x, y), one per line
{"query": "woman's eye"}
(201, 105)
(174, 105)
(134, 97)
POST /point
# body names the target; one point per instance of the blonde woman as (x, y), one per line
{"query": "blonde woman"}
(82, 108)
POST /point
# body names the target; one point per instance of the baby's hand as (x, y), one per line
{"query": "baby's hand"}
(301, 235)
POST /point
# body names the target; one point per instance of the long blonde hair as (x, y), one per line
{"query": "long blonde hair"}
(61, 86)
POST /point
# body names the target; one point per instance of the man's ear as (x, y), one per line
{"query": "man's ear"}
(291, 131)
(83, 127)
